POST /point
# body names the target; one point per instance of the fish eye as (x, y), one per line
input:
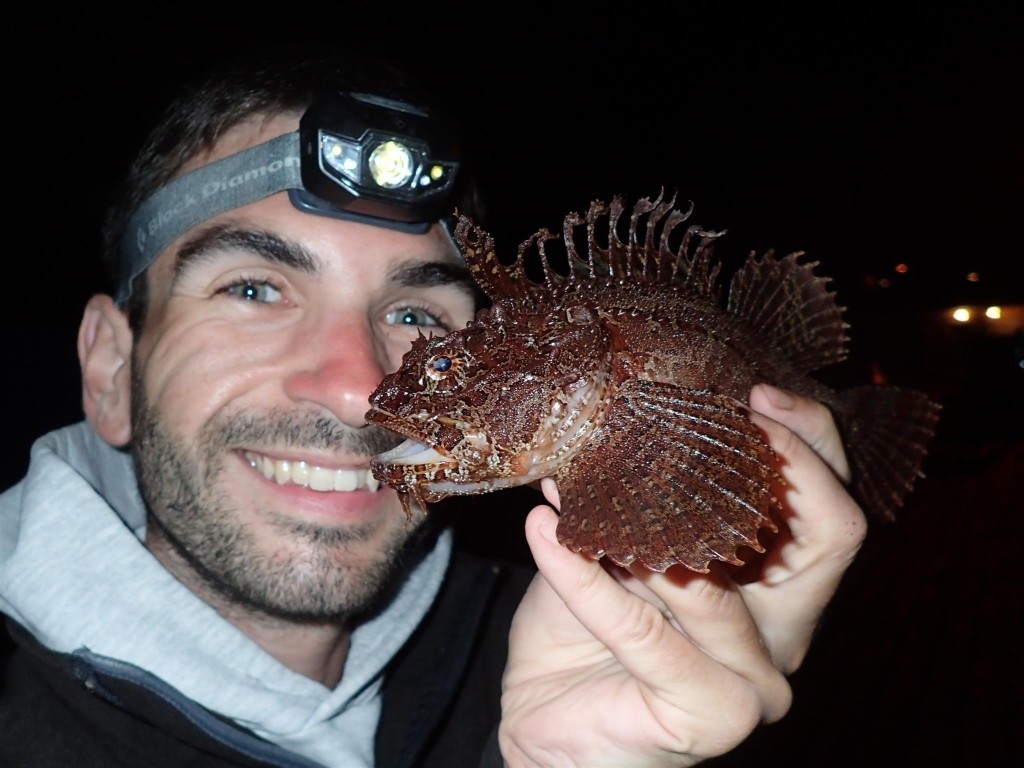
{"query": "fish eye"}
(441, 366)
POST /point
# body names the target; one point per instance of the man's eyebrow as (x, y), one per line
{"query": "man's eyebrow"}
(280, 251)
(260, 243)
(431, 273)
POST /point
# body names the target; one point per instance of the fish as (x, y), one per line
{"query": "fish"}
(610, 358)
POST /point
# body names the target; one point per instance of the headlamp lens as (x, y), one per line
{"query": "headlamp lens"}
(342, 156)
(400, 168)
(391, 164)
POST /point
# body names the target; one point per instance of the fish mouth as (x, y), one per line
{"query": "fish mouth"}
(412, 452)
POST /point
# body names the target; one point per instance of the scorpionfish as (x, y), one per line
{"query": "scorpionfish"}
(616, 368)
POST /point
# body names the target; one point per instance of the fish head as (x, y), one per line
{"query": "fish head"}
(501, 402)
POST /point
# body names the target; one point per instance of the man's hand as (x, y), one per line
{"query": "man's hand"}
(626, 667)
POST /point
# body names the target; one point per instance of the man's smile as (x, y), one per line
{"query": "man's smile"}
(316, 478)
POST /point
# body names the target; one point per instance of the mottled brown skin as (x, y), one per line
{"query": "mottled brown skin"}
(624, 377)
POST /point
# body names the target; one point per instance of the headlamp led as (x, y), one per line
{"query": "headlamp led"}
(355, 156)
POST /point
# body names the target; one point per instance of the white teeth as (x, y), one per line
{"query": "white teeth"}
(321, 479)
(312, 477)
(300, 473)
(344, 481)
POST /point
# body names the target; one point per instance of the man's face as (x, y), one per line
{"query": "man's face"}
(266, 332)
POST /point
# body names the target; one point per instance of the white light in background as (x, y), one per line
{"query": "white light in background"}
(990, 319)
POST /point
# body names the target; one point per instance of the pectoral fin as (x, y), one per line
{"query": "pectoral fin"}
(672, 476)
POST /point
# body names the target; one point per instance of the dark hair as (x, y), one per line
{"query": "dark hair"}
(280, 82)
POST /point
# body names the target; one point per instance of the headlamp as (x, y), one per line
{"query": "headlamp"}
(378, 157)
(355, 156)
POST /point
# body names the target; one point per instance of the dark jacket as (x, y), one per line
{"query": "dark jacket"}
(441, 696)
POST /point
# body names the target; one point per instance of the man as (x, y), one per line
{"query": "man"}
(204, 572)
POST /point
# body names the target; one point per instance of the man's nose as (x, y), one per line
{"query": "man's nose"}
(339, 367)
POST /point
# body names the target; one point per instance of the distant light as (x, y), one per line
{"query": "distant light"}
(996, 319)
(884, 282)
(902, 269)
(973, 277)
(877, 374)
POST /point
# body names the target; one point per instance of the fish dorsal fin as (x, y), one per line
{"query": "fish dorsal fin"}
(792, 310)
(592, 250)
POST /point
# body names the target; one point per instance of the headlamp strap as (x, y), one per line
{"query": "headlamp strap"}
(228, 183)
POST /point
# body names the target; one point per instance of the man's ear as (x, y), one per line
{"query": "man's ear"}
(104, 353)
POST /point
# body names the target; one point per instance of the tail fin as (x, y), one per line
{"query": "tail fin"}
(887, 435)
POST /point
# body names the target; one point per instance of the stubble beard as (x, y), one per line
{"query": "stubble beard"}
(320, 573)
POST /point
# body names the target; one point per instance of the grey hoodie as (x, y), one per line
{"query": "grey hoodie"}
(75, 573)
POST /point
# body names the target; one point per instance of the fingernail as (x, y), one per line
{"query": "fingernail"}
(778, 397)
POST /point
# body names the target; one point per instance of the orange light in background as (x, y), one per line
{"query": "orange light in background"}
(877, 374)
(884, 282)
(973, 277)
(961, 314)
(902, 269)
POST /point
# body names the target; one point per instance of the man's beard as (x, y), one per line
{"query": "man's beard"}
(313, 577)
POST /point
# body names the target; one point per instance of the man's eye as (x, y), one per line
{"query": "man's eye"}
(250, 290)
(411, 316)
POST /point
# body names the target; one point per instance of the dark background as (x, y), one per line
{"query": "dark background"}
(865, 137)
